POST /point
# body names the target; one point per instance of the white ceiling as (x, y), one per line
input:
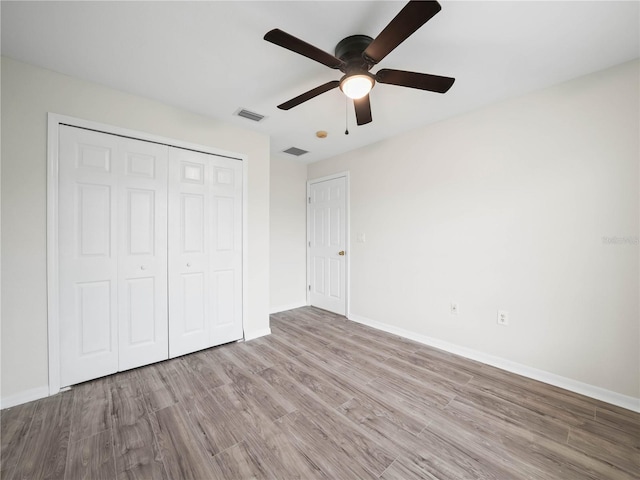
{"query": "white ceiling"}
(210, 58)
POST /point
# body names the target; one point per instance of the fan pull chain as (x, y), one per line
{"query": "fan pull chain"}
(346, 116)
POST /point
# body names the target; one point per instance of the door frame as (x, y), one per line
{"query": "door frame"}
(54, 120)
(347, 263)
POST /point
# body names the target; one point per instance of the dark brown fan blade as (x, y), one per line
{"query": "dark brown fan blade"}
(421, 81)
(363, 110)
(294, 102)
(411, 18)
(294, 44)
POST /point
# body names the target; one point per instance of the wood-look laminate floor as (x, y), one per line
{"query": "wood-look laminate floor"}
(325, 398)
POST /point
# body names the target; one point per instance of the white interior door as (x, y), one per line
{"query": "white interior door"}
(112, 254)
(189, 248)
(226, 250)
(87, 259)
(205, 251)
(327, 244)
(142, 253)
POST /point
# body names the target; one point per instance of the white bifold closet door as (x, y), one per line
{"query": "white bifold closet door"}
(205, 250)
(112, 263)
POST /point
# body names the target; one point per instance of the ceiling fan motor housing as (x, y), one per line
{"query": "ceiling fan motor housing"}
(350, 50)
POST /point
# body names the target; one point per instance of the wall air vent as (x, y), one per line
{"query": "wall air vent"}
(295, 151)
(244, 113)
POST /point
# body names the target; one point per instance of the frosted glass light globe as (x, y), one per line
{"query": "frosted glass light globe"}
(356, 86)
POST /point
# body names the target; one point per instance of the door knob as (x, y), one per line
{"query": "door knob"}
(142, 267)
(341, 253)
(188, 264)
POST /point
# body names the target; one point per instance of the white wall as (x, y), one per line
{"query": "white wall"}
(506, 208)
(28, 93)
(288, 217)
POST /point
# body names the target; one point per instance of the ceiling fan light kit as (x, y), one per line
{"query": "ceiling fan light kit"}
(357, 54)
(357, 85)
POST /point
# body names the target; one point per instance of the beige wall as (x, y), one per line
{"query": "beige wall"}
(506, 208)
(28, 93)
(288, 217)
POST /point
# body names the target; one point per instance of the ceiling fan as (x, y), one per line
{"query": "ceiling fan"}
(357, 54)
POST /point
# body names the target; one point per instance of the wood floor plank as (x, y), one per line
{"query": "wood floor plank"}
(92, 458)
(331, 457)
(443, 460)
(156, 385)
(136, 452)
(238, 462)
(366, 396)
(281, 453)
(628, 421)
(279, 344)
(222, 418)
(183, 455)
(91, 409)
(257, 392)
(350, 438)
(509, 411)
(541, 456)
(381, 426)
(209, 373)
(321, 397)
(328, 393)
(45, 450)
(404, 468)
(616, 453)
(629, 438)
(535, 396)
(300, 397)
(14, 425)
(449, 378)
(266, 353)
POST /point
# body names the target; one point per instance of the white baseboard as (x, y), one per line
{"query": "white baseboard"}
(284, 308)
(608, 396)
(256, 334)
(24, 397)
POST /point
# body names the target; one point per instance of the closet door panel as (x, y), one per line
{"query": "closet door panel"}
(189, 239)
(87, 259)
(142, 253)
(226, 253)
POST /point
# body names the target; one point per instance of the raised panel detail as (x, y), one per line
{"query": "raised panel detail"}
(94, 316)
(94, 157)
(224, 298)
(224, 223)
(224, 176)
(192, 173)
(318, 227)
(192, 228)
(335, 221)
(94, 220)
(335, 193)
(334, 277)
(141, 210)
(319, 270)
(141, 310)
(193, 301)
(140, 165)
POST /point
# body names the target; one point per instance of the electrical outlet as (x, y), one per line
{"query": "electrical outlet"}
(454, 309)
(503, 317)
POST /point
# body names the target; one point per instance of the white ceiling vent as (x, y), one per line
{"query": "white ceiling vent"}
(244, 113)
(295, 151)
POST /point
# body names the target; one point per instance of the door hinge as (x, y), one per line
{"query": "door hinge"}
(309, 243)
(309, 287)
(309, 198)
